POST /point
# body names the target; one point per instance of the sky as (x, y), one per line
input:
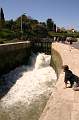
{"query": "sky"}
(65, 13)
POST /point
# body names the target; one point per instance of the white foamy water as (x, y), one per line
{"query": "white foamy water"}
(27, 98)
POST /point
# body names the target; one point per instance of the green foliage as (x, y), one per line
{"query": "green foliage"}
(7, 34)
(40, 31)
(9, 24)
(75, 35)
(31, 29)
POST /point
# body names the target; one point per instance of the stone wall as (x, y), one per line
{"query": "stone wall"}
(56, 61)
(13, 55)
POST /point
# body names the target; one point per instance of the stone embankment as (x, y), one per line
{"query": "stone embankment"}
(64, 103)
(13, 54)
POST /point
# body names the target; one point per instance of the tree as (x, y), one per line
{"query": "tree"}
(40, 31)
(9, 24)
(2, 19)
(2, 15)
(50, 24)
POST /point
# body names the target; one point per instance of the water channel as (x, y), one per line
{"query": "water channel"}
(31, 87)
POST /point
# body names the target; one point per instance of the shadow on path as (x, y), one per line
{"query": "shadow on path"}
(75, 45)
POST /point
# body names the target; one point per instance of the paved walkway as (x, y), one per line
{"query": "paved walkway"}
(64, 103)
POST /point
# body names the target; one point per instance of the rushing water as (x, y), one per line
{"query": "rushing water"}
(27, 97)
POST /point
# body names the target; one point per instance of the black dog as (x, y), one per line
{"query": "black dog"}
(69, 76)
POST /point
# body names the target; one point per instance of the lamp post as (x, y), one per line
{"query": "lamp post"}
(21, 22)
(21, 26)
